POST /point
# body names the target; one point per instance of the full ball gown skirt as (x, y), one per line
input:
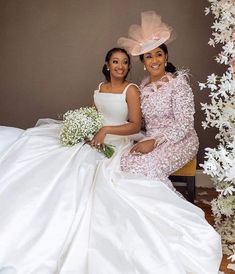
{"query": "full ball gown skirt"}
(69, 210)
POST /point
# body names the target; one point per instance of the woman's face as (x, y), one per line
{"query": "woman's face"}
(118, 65)
(154, 62)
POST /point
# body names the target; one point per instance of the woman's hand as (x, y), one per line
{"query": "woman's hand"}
(144, 147)
(98, 139)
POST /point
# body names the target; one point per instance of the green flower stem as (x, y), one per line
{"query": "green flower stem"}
(107, 150)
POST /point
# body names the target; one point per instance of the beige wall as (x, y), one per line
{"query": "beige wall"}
(52, 51)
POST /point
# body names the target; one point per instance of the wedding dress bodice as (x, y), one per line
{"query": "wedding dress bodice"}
(113, 106)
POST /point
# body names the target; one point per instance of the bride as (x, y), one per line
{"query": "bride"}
(70, 210)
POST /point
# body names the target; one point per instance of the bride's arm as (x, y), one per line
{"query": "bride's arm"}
(134, 119)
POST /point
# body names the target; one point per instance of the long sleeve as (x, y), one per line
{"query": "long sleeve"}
(183, 111)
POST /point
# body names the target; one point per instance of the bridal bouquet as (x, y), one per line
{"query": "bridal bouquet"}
(81, 125)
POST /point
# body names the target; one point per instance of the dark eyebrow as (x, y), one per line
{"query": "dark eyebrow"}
(115, 58)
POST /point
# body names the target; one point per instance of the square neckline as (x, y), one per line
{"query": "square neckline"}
(115, 93)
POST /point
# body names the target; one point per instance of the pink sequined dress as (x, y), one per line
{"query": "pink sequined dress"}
(167, 109)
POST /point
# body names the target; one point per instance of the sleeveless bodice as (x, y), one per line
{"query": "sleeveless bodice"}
(113, 106)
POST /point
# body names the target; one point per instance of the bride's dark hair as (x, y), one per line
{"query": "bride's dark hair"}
(105, 70)
(169, 67)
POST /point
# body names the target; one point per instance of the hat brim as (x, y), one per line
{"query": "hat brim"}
(148, 46)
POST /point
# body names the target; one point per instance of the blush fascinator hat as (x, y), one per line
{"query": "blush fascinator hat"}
(151, 34)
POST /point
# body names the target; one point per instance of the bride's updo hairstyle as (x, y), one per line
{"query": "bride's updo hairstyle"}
(169, 67)
(109, 54)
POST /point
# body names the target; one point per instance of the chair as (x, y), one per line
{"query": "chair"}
(187, 175)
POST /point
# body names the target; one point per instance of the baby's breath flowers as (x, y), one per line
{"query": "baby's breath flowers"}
(80, 125)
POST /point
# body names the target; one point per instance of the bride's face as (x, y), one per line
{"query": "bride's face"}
(118, 65)
(154, 62)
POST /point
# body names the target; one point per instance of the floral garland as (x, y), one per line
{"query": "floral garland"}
(220, 113)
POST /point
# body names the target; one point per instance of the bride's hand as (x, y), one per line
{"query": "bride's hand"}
(98, 139)
(143, 147)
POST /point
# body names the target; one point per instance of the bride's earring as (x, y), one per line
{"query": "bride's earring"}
(165, 64)
(144, 67)
(107, 69)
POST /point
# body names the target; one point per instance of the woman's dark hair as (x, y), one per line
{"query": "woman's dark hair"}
(169, 67)
(109, 54)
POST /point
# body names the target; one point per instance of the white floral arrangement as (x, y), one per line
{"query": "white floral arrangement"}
(220, 113)
(80, 125)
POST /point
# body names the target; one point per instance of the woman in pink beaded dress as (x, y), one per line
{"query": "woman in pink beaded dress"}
(167, 108)
(167, 105)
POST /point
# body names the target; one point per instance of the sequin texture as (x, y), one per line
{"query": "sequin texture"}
(168, 110)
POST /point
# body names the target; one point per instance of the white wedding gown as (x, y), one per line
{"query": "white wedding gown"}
(69, 210)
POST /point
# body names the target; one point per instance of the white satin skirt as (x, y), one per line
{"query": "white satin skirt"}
(69, 210)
